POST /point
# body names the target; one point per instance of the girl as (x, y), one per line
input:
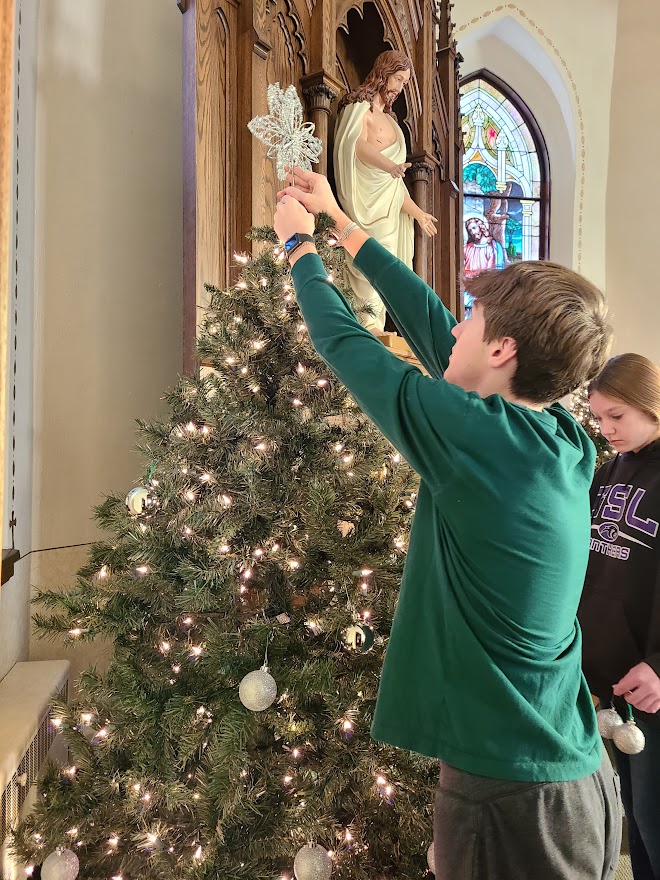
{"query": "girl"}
(620, 608)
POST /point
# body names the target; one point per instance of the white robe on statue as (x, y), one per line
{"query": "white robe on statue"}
(373, 199)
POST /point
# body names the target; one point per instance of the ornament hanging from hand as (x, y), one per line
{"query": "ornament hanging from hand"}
(627, 737)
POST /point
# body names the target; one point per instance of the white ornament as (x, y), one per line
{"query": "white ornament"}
(608, 721)
(312, 863)
(258, 690)
(290, 140)
(430, 857)
(629, 738)
(62, 864)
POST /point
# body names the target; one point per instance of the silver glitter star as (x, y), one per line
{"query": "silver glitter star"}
(290, 140)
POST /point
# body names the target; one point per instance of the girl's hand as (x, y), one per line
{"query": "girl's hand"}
(640, 687)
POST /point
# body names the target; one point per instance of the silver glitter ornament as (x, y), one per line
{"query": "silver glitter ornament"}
(430, 857)
(629, 738)
(608, 721)
(258, 690)
(312, 863)
(290, 140)
(62, 864)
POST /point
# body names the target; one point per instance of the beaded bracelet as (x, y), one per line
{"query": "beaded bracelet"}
(340, 237)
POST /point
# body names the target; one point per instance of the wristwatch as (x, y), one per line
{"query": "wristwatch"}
(297, 239)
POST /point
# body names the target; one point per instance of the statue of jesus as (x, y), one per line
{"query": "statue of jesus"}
(370, 164)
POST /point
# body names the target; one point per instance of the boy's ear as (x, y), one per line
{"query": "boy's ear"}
(503, 350)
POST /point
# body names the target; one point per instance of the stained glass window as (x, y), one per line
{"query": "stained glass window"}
(505, 180)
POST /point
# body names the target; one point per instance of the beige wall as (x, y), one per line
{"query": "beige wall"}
(549, 54)
(105, 227)
(633, 182)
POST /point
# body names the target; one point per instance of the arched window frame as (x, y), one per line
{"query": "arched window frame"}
(541, 151)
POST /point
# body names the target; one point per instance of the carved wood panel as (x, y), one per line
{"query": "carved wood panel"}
(234, 49)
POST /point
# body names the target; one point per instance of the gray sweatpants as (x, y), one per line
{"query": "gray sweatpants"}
(494, 829)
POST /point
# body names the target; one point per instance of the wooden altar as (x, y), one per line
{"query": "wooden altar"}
(233, 49)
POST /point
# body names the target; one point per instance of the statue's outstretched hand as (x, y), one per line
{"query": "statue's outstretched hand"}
(312, 190)
(427, 224)
(399, 170)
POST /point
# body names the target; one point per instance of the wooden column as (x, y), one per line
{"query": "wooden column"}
(319, 91)
(420, 175)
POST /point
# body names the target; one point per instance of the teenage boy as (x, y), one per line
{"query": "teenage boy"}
(483, 668)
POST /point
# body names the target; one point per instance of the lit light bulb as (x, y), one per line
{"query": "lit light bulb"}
(241, 285)
(75, 632)
(258, 552)
(226, 500)
(230, 360)
(224, 548)
(297, 402)
(113, 841)
(196, 650)
(294, 564)
(191, 427)
(348, 725)
(165, 647)
(321, 382)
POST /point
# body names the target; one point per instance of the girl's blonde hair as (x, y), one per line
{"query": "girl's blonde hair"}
(633, 379)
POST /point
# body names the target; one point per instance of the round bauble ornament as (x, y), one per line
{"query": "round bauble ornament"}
(629, 738)
(430, 857)
(139, 501)
(62, 864)
(257, 691)
(359, 637)
(608, 721)
(312, 863)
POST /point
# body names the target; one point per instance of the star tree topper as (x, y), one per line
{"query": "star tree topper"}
(290, 140)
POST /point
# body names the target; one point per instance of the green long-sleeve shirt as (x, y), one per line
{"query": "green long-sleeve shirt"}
(483, 667)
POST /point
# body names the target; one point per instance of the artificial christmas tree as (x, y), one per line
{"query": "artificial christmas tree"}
(582, 412)
(248, 585)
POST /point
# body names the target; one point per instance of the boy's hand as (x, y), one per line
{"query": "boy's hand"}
(313, 191)
(640, 687)
(291, 217)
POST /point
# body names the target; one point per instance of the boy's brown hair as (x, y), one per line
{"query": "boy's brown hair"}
(558, 320)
